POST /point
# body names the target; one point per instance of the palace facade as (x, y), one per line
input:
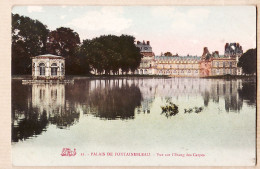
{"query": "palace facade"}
(209, 64)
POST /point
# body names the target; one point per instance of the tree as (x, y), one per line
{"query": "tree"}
(65, 42)
(131, 54)
(168, 54)
(28, 39)
(111, 53)
(248, 61)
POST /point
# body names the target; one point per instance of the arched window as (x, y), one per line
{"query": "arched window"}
(42, 69)
(141, 71)
(54, 69)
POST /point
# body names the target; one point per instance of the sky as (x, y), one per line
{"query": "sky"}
(177, 29)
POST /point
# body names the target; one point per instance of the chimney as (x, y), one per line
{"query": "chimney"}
(148, 42)
(226, 45)
(205, 51)
(143, 42)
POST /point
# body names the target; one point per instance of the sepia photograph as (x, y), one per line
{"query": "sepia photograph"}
(95, 85)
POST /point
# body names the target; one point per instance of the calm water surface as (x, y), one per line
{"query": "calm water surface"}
(125, 115)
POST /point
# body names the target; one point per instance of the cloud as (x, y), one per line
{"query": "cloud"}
(163, 11)
(198, 14)
(182, 26)
(188, 20)
(31, 9)
(107, 19)
(194, 41)
(62, 16)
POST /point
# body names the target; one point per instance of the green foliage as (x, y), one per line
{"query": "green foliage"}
(248, 61)
(111, 53)
(105, 53)
(65, 42)
(196, 110)
(28, 39)
(170, 109)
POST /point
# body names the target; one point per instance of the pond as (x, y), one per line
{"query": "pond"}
(95, 117)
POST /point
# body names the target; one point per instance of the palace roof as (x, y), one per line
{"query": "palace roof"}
(49, 56)
(177, 58)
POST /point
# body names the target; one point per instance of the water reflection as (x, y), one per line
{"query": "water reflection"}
(248, 92)
(36, 106)
(112, 99)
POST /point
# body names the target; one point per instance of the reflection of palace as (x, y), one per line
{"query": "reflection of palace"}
(43, 106)
(39, 105)
(209, 64)
(174, 88)
(228, 90)
(188, 87)
(48, 97)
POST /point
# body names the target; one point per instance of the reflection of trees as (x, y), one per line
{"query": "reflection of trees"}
(32, 124)
(206, 98)
(65, 119)
(248, 92)
(36, 106)
(115, 102)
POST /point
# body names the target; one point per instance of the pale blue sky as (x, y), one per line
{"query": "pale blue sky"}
(178, 29)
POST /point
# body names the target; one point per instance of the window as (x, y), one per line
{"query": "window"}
(54, 69)
(42, 69)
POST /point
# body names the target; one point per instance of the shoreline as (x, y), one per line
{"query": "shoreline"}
(227, 77)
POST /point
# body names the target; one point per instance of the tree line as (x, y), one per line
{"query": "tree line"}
(105, 54)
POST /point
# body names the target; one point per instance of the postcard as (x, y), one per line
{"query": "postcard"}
(133, 85)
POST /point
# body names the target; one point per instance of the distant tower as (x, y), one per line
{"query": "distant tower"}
(205, 53)
(145, 48)
(233, 50)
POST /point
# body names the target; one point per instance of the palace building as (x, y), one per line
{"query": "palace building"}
(209, 64)
(147, 62)
(48, 67)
